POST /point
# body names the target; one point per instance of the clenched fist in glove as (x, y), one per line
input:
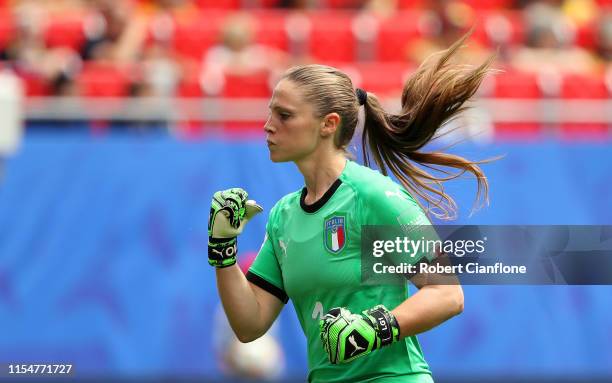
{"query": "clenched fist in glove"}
(230, 210)
(347, 336)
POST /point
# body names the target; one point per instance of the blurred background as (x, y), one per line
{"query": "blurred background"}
(119, 119)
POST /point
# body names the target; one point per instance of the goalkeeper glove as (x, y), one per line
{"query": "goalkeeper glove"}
(347, 336)
(229, 212)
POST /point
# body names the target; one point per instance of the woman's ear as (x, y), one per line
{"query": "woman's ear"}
(330, 124)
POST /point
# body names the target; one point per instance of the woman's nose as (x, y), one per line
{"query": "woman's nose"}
(268, 127)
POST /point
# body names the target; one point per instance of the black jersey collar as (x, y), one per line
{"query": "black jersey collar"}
(321, 201)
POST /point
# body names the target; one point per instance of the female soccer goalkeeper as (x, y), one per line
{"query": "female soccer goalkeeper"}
(311, 252)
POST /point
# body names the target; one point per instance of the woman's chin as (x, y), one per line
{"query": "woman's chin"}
(277, 157)
(274, 157)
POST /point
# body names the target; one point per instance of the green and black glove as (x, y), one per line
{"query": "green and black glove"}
(230, 210)
(347, 336)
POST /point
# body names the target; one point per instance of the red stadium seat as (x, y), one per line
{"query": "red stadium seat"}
(190, 87)
(342, 4)
(584, 87)
(395, 34)
(517, 85)
(103, 80)
(35, 86)
(331, 37)
(270, 29)
(489, 4)
(604, 3)
(586, 36)
(269, 3)
(192, 40)
(6, 28)
(218, 4)
(251, 85)
(514, 84)
(193, 37)
(479, 34)
(383, 79)
(65, 31)
(411, 4)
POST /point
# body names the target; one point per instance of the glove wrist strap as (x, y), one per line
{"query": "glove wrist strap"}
(385, 324)
(222, 251)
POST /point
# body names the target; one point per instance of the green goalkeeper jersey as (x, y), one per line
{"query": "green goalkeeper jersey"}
(312, 255)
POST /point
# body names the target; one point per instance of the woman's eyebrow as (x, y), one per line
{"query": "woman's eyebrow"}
(279, 107)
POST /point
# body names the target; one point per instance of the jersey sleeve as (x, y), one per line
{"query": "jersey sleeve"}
(265, 272)
(394, 213)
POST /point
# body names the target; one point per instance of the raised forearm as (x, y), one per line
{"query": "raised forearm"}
(249, 312)
(240, 304)
(429, 307)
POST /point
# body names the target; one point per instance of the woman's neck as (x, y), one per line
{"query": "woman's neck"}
(320, 172)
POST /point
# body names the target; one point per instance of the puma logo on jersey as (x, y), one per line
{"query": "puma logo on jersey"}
(217, 251)
(283, 246)
(352, 341)
(317, 312)
(396, 193)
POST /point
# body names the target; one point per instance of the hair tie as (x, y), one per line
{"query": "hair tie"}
(362, 96)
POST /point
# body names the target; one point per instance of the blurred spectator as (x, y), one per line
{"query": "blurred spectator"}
(560, 36)
(442, 23)
(381, 7)
(237, 54)
(295, 4)
(26, 48)
(172, 4)
(549, 44)
(11, 109)
(160, 72)
(604, 38)
(113, 32)
(180, 9)
(580, 12)
(46, 70)
(311, 4)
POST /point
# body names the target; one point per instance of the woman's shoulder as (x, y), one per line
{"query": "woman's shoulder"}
(379, 193)
(369, 183)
